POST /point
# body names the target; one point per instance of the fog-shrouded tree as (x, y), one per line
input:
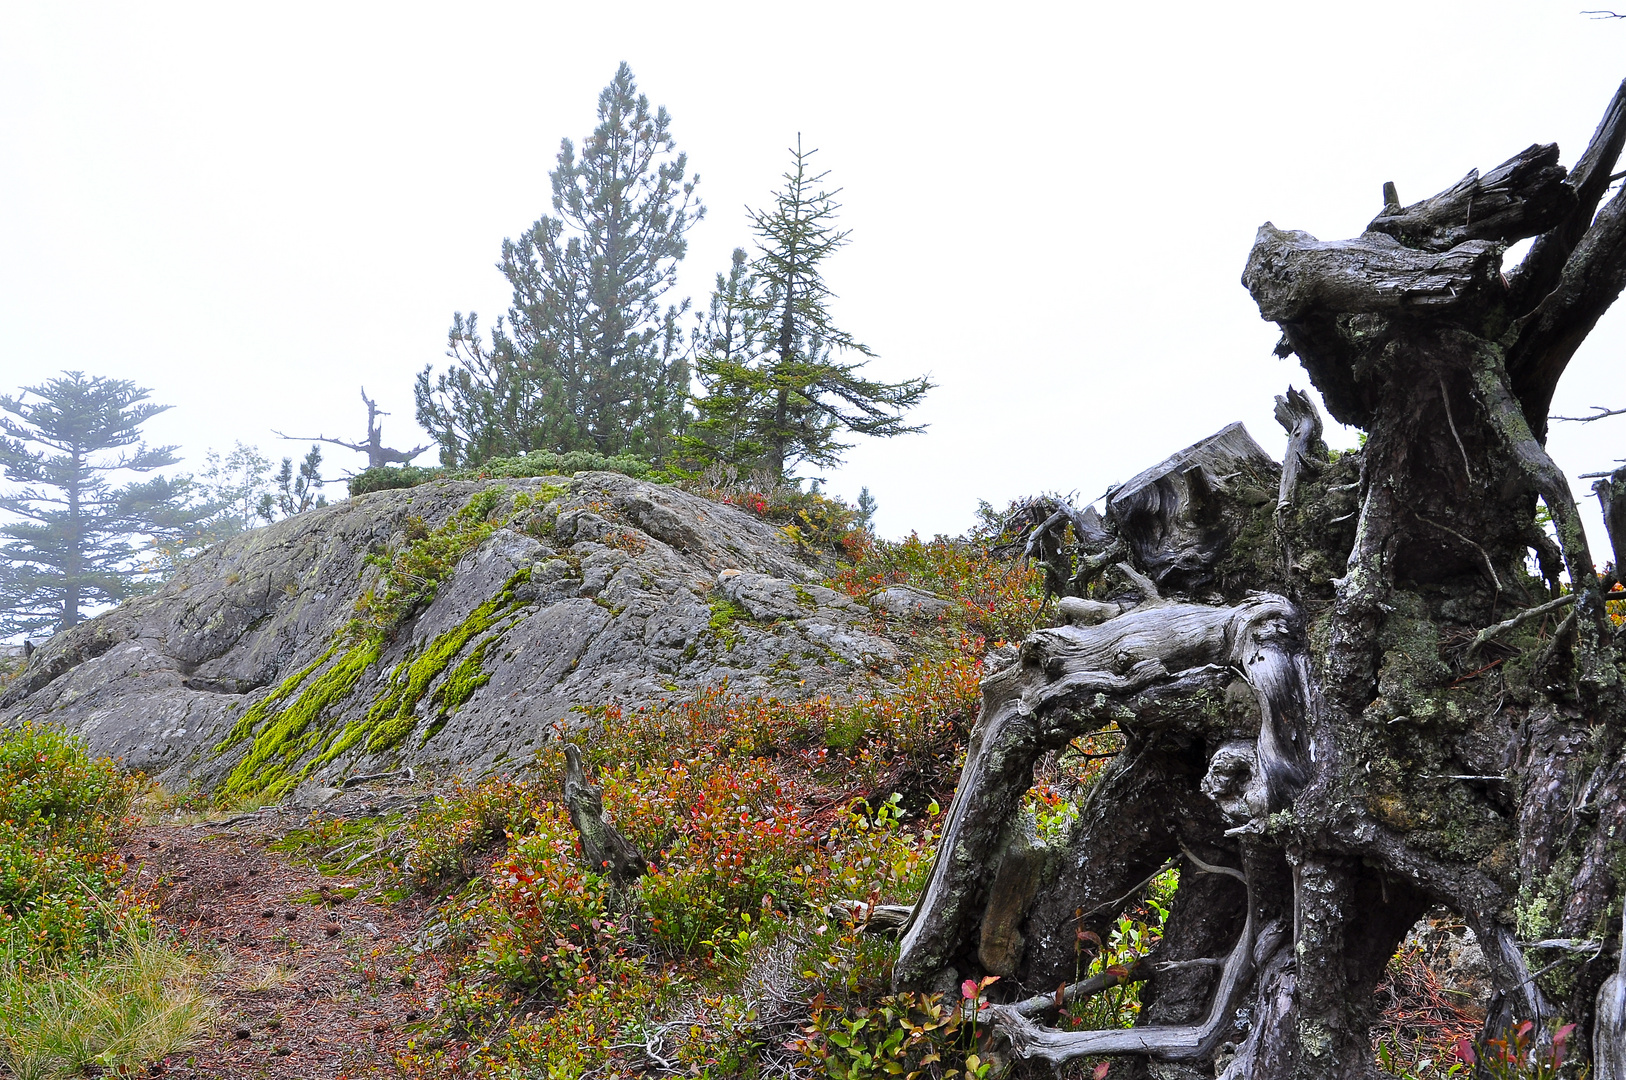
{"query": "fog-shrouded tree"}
(77, 536)
(866, 507)
(378, 455)
(238, 483)
(295, 490)
(783, 382)
(1346, 689)
(590, 356)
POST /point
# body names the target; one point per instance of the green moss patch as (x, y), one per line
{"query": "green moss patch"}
(296, 721)
(394, 714)
(284, 736)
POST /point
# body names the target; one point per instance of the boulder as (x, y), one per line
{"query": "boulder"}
(596, 589)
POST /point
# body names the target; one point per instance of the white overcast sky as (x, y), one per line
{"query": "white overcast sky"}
(257, 209)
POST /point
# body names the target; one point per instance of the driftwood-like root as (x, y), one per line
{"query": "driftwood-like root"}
(603, 847)
(1074, 679)
(1184, 1042)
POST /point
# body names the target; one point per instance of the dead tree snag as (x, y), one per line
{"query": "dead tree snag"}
(1296, 657)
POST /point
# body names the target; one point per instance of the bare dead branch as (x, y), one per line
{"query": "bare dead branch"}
(1520, 619)
(1536, 276)
(1297, 414)
(1600, 414)
(1523, 196)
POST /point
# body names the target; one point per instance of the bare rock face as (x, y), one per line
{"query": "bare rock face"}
(595, 589)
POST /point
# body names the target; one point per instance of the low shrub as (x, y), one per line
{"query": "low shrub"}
(85, 986)
(61, 813)
(445, 843)
(549, 463)
(535, 463)
(810, 518)
(999, 599)
(559, 923)
(391, 477)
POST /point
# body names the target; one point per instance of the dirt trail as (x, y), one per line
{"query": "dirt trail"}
(311, 986)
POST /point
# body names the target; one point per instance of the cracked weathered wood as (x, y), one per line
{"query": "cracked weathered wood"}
(603, 847)
(1291, 274)
(1074, 679)
(1609, 1027)
(1521, 197)
(1298, 416)
(1181, 516)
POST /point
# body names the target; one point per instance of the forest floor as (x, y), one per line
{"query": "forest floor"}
(310, 983)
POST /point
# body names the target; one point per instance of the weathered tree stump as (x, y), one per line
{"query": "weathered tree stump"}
(1344, 698)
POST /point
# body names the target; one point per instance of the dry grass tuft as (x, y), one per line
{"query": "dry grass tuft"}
(134, 1005)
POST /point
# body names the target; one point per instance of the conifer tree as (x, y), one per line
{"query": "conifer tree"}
(589, 359)
(80, 535)
(778, 393)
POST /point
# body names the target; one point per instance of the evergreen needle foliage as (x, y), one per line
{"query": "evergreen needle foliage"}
(79, 537)
(777, 393)
(588, 360)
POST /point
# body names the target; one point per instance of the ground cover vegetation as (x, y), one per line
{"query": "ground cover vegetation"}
(86, 985)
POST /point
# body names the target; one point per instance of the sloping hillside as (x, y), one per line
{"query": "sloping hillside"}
(449, 626)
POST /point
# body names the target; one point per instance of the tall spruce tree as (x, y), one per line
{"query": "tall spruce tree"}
(777, 393)
(589, 358)
(80, 536)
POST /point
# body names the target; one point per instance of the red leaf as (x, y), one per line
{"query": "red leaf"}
(1101, 1070)
(1465, 1051)
(968, 988)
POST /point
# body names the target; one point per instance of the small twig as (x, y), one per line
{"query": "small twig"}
(1176, 965)
(1600, 412)
(1477, 672)
(239, 819)
(336, 852)
(1039, 1004)
(1572, 944)
(1147, 880)
(353, 863)
(1208, 868)
(1546, 655)
(356, 781)
(1489, 566)
(1520, 619)
(1445, 400)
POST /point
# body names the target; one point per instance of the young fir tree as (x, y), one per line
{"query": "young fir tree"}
(80, 537)
(296, 492)
(589, 358)
(777, 392)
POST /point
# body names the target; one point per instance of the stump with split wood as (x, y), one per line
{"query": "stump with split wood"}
(1345, 697)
